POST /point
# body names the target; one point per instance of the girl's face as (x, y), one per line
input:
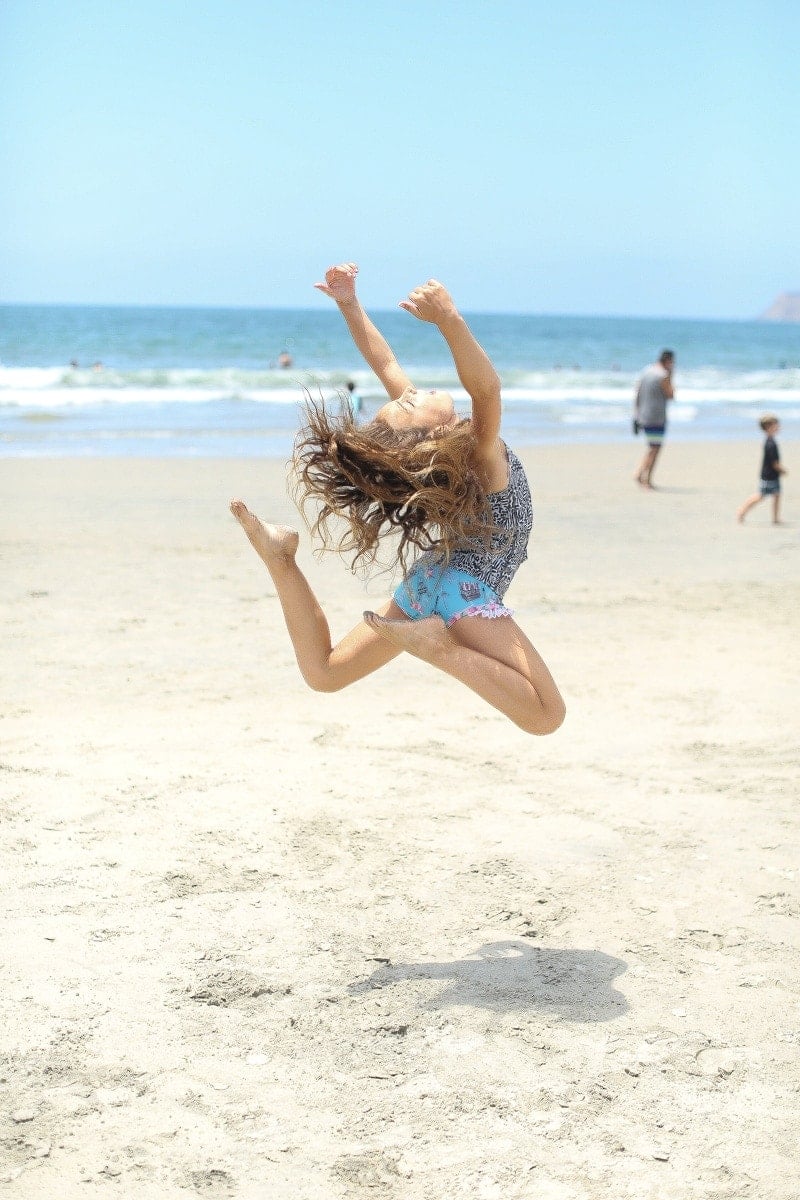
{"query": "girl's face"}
(419, 410)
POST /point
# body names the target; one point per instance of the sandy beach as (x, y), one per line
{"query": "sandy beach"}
(264, 943)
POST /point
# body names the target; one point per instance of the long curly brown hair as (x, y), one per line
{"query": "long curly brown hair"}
(420, 486)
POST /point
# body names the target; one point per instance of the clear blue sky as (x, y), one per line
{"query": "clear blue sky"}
(583, 157)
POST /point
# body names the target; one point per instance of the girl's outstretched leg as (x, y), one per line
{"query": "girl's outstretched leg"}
(325, 668)
(492, 657)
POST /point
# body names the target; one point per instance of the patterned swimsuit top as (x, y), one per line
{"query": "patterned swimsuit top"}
(512, 513)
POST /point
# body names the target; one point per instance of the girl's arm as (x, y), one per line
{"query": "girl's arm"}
(432, 302)
(340, 285)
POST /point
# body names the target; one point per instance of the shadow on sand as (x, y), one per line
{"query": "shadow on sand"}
(573, 985)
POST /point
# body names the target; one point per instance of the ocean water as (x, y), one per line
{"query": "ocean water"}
(205, 382)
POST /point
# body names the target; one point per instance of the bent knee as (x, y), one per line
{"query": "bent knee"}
(322, 681)
(546, 720)
(554, 721)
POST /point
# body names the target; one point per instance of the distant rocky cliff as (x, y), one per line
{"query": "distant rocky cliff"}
(785, 307)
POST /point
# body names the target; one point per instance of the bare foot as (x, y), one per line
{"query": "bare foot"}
(270, 542)
(427, 638)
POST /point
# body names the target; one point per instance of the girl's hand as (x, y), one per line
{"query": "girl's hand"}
(431, 302)
(340, 283)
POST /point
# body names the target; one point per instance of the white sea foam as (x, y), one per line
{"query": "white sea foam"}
(41, 393)
(30, 378)
(54, 386)
(79, 397)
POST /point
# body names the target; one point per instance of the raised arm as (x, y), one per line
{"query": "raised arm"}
(340, 285)
(432, 302)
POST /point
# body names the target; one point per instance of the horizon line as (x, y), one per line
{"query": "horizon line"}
(160, 306)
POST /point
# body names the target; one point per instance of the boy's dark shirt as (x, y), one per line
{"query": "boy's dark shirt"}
(771, 459)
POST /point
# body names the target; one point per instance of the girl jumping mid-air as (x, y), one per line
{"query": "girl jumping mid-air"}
(456, 499)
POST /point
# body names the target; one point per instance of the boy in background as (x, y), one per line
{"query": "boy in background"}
(771, 471)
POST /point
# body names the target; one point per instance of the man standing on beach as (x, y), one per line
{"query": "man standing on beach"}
(653, 391)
